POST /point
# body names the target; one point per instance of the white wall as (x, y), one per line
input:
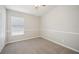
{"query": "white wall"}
(62, 26)
(31, 26)
(2, 27)
(59, 25)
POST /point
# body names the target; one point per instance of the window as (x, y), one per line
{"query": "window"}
(17, 25)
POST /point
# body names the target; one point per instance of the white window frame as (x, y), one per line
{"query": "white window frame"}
(16, 33)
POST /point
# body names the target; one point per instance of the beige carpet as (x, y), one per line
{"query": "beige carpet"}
(35, 46)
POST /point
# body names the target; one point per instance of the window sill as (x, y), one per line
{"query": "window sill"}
(17, 34)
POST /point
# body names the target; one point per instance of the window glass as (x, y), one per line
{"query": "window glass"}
(17, 25)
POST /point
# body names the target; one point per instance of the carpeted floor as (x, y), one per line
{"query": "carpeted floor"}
(35, 46)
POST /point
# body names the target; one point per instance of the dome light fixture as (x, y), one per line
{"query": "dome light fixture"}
(38, 6)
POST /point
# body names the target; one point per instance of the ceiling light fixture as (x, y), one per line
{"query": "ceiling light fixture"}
(38, 6)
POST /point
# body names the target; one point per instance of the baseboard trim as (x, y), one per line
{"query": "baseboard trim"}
(22, 39)
(46, 39)
(18, 41)
(2, 49)
(60, 44)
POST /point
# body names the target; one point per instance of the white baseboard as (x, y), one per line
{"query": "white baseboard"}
(47, 39)
(17, 41)
(22, 39)
(60, 44)
(1, 49)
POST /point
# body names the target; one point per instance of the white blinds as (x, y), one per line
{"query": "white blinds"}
(17, 25)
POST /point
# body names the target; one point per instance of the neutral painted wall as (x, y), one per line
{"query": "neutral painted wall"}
(59, 25)
(31, 24)
(2, 27)
(62, 26)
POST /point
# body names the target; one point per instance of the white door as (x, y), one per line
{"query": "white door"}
(2, 27)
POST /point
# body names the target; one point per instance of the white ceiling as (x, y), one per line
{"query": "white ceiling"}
(30, 9)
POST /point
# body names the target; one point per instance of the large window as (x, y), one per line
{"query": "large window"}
(17, 25)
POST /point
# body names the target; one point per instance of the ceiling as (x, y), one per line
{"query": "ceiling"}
(30, 9)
